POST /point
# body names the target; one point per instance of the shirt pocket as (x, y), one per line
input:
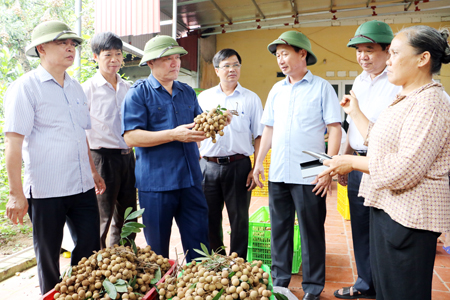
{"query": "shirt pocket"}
(101, 110)
(240, 123)
(186, 113)
(82, 113)
(159, 117)
(310, 112)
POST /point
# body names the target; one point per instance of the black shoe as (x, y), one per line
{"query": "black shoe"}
(351, 293)
(309, 296)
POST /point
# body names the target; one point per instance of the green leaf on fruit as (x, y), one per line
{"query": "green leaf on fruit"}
(135, 214)
(193, 286)
(279, 296)
(217, 297)
(127, 212)
(157, 276)
(110, 288)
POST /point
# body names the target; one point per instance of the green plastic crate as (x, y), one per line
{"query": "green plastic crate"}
(198, 91)
(259, 240)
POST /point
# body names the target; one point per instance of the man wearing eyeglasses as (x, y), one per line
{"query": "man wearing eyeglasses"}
(46, 116)
(226, 166)
(158, 115)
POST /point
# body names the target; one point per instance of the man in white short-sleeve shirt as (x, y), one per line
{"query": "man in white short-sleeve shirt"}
(226, 166)
(113, 159)
(46, 117)
(374, 93)
(298, 111)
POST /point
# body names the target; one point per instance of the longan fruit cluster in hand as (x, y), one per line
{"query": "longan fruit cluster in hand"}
(212, 123)
(200, 281)
(114, 263)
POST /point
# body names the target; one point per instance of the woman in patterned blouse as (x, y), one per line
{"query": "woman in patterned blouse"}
(406, 181)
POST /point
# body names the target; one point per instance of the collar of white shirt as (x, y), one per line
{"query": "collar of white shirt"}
(366, 76)
(238, 89)
(308, 77)
(99, 80)
(44, 75)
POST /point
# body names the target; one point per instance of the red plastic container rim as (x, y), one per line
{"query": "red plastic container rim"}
(151, 295)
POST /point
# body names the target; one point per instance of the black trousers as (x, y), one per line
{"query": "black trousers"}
(284, 201)
(402, 259)
(226, 184)
(48, 216)
(118, 172)
(360, 222)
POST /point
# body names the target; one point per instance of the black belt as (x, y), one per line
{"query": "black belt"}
(361, 152)
(113, 151)
(225, 159)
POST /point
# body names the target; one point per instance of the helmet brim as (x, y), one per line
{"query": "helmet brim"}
(311, 59)
(157, 54)
(378, 38)
(31, 49)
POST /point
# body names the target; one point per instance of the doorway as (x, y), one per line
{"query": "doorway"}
(342, 87)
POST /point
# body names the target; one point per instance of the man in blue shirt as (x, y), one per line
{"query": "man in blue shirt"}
(297, 112)
(158, 115)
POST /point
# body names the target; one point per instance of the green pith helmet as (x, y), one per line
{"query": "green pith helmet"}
(160, 46)
(297, 39)
(50, 31)
(372, 32)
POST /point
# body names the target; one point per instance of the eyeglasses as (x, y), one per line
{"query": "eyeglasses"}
(75, 44)
(228, 67)
(363, 36)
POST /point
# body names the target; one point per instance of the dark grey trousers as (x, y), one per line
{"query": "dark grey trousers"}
(118, 172)
(48, 216)
(360, 222)
(402, 258)
(284, 201)
(226, 184)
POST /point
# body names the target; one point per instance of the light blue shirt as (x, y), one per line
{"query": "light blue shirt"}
(299, 114)
(53, 120)
(237, 138)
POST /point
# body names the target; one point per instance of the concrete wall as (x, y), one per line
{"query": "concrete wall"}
(259, 67)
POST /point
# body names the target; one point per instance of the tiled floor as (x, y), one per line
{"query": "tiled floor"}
(340, 270)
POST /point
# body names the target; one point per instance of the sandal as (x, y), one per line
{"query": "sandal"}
(352, 293)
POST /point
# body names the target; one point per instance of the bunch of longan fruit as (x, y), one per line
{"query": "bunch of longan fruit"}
(212, 122)
(236, 279)
(114, 263)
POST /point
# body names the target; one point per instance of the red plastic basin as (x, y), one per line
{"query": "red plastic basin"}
(151, 295)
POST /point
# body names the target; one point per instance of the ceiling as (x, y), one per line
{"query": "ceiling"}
(222, 16)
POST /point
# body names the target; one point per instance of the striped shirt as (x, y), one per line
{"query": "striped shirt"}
(52, 120)
(409, 160)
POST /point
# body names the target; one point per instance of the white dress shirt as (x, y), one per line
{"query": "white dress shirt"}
(104, 103)
(299, 114)
(53, 120)
(374, 96)
(237, 138)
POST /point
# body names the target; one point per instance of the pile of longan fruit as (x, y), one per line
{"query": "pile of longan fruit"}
(118, 262)
(212, 122)
(198, 281)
